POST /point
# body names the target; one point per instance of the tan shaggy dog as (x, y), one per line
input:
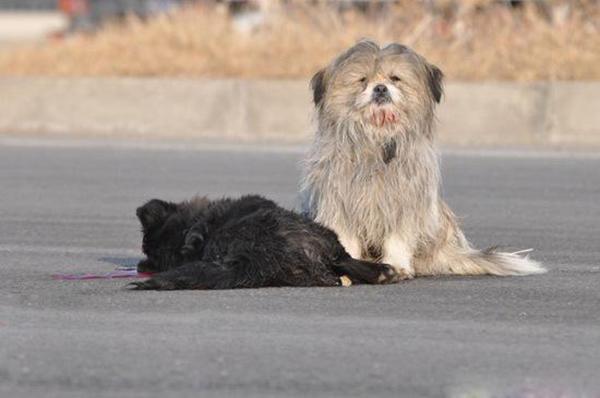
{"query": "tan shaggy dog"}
(373, 174)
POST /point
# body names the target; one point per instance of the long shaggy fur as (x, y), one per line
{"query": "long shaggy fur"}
(373, 175)
(243, 243)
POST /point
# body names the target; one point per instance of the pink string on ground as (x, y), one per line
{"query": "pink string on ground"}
(119, 273)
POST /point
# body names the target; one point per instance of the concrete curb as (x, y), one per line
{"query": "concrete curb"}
(561, 114)
(18, 26)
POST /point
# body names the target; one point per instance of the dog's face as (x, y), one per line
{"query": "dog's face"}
(382, 88)
(164, 227)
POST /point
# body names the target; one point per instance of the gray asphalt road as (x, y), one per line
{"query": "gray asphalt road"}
(72, 210)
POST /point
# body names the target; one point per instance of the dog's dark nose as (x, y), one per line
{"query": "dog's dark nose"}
(381, 95)
(380, 89)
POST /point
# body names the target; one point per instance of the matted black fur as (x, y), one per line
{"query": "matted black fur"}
(243, 243)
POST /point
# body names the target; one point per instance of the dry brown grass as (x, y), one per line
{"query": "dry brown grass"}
(477, 40)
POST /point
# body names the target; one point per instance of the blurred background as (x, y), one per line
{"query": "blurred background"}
(518, 73)
(471, 39)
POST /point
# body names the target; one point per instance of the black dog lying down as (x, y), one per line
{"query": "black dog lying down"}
(243, 243)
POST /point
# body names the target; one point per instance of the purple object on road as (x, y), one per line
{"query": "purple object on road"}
(119, 273)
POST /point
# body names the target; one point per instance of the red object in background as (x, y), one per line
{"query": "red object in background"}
(73, 7)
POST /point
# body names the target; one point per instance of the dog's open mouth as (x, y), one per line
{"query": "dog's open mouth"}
(380, 116)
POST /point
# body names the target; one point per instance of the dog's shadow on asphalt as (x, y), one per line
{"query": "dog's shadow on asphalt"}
(121, 262)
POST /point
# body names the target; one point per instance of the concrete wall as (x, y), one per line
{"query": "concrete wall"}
(471, 115)
(19, 26)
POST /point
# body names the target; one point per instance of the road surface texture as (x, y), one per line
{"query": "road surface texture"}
(71, 209)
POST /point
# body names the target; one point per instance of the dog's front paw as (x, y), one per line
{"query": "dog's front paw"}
(391, 274)
(152, 284)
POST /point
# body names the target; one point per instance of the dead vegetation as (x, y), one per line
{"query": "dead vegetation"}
(469, 40)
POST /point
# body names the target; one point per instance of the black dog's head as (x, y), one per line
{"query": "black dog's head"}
(164, 227)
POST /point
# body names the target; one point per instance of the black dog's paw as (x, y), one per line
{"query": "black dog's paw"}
(390, 274)
(143, 285)
(152, 284)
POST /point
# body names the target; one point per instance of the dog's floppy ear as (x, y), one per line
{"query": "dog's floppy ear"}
(154, 212)
(435, 77)
(317, 84)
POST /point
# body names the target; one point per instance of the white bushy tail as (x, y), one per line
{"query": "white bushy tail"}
(492, 262)
(505, 264)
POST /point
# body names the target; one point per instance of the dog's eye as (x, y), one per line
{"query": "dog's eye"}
(362, 80)
(395, 78)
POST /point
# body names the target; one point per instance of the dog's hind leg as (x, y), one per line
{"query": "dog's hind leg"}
(195, 275)
(360, 271)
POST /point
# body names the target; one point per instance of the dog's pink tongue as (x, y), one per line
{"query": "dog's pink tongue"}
(382, 116)
(390, 117)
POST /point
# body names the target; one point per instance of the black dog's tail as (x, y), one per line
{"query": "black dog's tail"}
(360, 271)
(195, 275)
